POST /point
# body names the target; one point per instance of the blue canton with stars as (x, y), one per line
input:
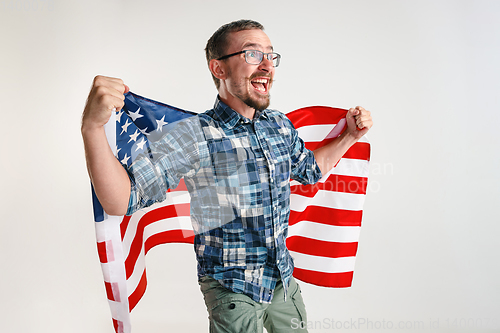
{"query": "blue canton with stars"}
(140, 122)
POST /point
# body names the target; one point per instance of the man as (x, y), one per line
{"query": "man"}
(236, 160)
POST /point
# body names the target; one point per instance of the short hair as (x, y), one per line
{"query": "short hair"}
(217, 44)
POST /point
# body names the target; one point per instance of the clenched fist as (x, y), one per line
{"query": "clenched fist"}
(359, 121)
(105, 95)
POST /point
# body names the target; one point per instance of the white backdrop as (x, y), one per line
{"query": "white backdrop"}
(428, 70)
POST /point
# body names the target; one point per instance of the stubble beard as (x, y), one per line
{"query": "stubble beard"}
(259, 103)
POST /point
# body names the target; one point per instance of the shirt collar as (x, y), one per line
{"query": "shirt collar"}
(230, 118)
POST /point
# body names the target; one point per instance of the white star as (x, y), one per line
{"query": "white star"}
(117, 149)
(119, 116)
(125, 127)
(140, 144)
(144, 131)
(135, 115)
(134, 136)
(160, 123)
(125, 159)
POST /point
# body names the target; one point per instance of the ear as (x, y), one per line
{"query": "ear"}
(218, 69)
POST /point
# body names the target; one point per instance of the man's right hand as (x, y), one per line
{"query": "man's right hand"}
(110, 180)
(105, 95)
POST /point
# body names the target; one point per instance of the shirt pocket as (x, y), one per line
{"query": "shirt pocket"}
(229, 157)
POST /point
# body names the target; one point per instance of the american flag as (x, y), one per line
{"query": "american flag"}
(325, 218)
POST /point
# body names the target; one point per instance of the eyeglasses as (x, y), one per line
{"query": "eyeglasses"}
(254, 57)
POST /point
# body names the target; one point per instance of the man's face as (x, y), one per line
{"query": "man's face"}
(246, 82)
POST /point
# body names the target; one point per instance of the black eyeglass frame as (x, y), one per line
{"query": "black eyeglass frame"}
(278, 56)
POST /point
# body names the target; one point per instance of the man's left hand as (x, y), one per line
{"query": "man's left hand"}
(359, 121)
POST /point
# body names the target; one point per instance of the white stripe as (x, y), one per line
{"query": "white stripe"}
(182, 223)
(101, 231)
(173, 198)
(135, 278)
(346, 167)
(324, 232)
(118, 313)
(106, 271)
(364, 139)
(349, 167)
(317, 133)
(323, 264)
(110, 130)
(114, 271)
(174, 223)
(328, 199)
(131, 231)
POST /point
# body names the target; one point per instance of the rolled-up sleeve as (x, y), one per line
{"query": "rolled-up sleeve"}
(304, 168)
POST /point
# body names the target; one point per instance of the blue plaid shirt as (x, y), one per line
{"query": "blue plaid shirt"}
(237, 172)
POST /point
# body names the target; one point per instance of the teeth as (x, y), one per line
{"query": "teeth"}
(263, 82)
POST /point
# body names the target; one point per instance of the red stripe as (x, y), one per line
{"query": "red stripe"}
(328, 216)
(124, 225)
(358, 151)
(126, 219)
(332, 280)
(155, 215)
(171, 236)
(316, 115)
(109, 291)
(336, 183)
(101, 250)
(139, 291)
(180, 187)
(321, 248)
(118, 325)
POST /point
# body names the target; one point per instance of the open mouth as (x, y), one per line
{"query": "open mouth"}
(261, 84)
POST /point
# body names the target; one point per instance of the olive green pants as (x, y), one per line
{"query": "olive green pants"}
(231, 312)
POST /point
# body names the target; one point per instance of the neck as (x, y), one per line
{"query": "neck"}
(237, 104)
